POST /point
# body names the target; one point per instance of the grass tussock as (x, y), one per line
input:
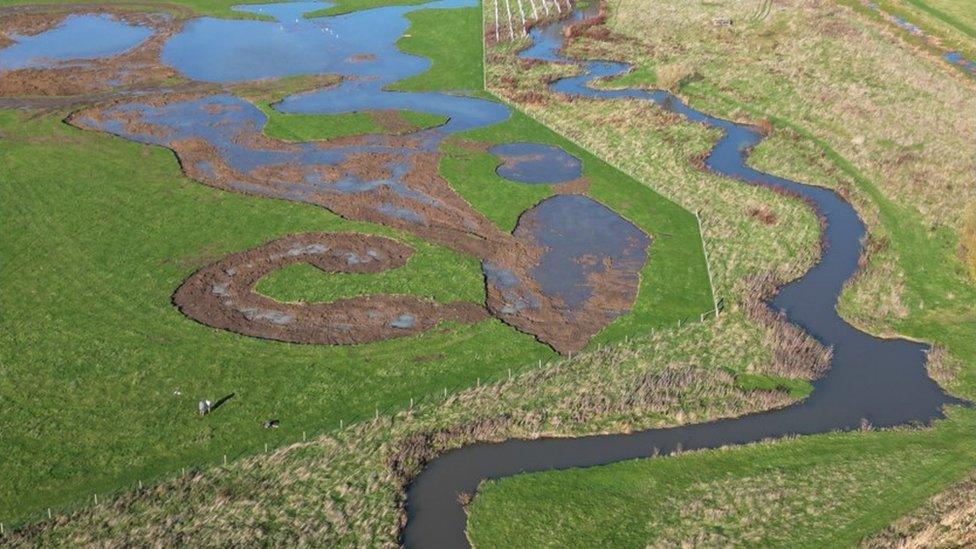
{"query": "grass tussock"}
(795, 353)
(967, 241)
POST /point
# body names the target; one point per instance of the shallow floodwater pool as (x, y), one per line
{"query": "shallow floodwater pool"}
(78, 37)
(582, 239)
(957, 59)
(359, 44)
(535, 163)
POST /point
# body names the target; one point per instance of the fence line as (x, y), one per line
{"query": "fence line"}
(511, 28)
(708, 264)
(497, 24)
(522, 15)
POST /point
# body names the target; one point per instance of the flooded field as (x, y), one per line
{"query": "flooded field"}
(535, 163)
(564, 281)
(76, 39)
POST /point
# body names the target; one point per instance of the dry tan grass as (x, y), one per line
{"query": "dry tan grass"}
(948, 520)
(673, 75)
(967, 241)
(907, 125)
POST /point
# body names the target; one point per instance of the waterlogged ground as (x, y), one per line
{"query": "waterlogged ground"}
(76, 39)
(573, 267)
(388, 180)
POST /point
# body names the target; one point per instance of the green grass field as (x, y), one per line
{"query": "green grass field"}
(101, 374)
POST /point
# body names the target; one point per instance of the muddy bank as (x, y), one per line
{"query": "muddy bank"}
(222, 295)
(394, 181)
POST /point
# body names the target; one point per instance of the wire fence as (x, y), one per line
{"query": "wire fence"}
(391, 413)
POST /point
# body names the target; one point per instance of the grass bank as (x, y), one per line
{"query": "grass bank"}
(850, 125)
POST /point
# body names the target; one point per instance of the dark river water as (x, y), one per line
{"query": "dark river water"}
(881, 381)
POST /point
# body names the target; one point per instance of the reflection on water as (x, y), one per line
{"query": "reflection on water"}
(535, 163)
(77, 38)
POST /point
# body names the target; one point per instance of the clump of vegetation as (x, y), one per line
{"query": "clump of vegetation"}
(673, 76)
(967, 245)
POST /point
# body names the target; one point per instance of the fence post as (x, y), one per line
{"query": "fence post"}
(708, 264)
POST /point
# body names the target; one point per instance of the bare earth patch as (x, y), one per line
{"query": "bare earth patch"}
(222, 295)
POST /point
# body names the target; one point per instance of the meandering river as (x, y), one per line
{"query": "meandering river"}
(883, 382)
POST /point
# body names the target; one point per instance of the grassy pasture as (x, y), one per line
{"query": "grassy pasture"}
(831, 489)
(100, 374)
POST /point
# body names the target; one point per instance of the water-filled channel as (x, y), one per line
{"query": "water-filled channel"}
(881, 381)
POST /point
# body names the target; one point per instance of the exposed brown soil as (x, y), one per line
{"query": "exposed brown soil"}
(577, 186)
(442, 217)
(764, 215)
(138, 67)
(393, 122)
(27, 24)
(222, 295)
